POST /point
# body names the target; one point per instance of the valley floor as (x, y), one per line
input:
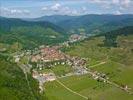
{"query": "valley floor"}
(116, 63)
(106, 75)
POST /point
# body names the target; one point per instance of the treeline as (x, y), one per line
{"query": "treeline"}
(111, 37)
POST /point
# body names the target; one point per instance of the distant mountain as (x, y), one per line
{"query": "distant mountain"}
(30, 33)
(55, 29)
(91, 23)
(97, 23)
(8, 23)
(53, 19)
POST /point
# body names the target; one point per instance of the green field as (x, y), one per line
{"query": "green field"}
(59, 70)
(85, 86)
(118, 67)
(117, 72)
(95, 53)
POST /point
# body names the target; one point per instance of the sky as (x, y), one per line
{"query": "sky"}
(38, 8)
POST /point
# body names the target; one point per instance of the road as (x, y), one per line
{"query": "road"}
(71, 90)
(101, 63)
(110, 82)
(23, 68)
(104, 79)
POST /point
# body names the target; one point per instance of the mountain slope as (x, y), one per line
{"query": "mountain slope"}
(91, 23)
(111, 37)
(53, 19)
(102, 23)
(30, 34)
(13, 85)
(118, 65)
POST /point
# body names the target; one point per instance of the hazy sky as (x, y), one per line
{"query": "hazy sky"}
(37, 8)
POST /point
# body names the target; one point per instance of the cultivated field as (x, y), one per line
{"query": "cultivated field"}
(118, 66)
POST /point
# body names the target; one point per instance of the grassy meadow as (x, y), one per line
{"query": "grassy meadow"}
(118, 67)
(85, 86)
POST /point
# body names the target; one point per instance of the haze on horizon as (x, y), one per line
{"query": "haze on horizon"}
(37, 8)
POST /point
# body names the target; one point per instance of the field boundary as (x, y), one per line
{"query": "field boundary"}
(101, 63)
(71, 90)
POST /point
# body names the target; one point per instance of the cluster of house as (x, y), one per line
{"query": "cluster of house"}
(76, 37)
(77, 61)
(126, 88)
(99, 76)
(18, 55)
(42, 78)
(79, 65)
(51, 56)
(42, 65)
(48, 54)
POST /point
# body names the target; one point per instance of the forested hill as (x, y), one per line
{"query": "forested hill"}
(53, 18)
(97, 23)
(121, 31)
(111, 37)
(8, 23)
(13, 84)
(91, 23)
(30, 34)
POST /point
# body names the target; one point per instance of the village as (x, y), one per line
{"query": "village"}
(49, 57)
(46, 57)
